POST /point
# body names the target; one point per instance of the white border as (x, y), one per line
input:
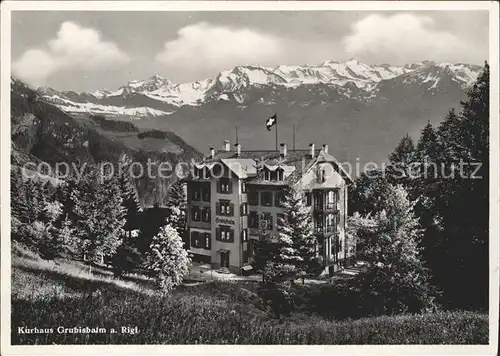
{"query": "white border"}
(8, 6)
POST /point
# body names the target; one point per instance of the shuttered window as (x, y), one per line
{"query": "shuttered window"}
(205, 214)
(196, 239)
(225, 186)
(308, 198)
(224, 208)
(205, 192)
(206, 241)
(195, 193)
(266, 198)
(195, 213)
(224, 234)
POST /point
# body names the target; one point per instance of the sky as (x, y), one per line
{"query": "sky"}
(90, 50)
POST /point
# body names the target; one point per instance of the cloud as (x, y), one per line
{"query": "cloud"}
(205, 47)
(74, 48)
(407, 37)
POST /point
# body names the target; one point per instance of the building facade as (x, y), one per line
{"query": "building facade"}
(234, 197)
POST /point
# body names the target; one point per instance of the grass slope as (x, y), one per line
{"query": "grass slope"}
(48, 295)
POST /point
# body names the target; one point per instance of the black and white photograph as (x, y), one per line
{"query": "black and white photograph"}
(250, 173)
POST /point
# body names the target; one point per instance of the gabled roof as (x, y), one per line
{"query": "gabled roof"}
(326, 157)
(249, 164)
(242, 167)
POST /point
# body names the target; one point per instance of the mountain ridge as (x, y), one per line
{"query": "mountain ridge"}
(158, 96)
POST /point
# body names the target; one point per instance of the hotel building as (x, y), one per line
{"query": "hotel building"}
(234, 195)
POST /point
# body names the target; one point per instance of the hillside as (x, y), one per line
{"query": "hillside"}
(208, 313)
(42, 132)
(360, 110)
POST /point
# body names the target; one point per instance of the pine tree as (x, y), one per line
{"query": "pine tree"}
(100, 215)
(427, 146)
(401, 159)
(167, 260)
(32, 208)
(176, 195)
(449, 132)
(177, 203)
(129, 194)
(297, 245)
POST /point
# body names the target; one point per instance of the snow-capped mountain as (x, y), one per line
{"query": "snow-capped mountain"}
(158, 96)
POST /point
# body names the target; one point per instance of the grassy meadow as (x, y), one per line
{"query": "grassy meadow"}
(47, 295)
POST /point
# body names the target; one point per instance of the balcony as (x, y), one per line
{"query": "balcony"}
(326, 207)
(325, 230)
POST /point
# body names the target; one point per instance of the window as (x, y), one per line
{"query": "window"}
(278, 199)
(195, 213)
(196, 239)
(266, 221)
(253, 197)
(196, 172)
(319, 223)
(267, 174)
(204, 173)
(207, 241)
(253, 220)
(225, 208)
(244, 235)
(330, 223)
(318, 200)
(281, 174)
(225, 186)
(332, 199)
(205, 192)
(195, 194)
(321, 175)
(244, 209)
(205, 214)
(308, 198)
(266, 198)
(243, 187)
(225, 234)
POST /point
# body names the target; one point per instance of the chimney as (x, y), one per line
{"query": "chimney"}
(227, 146)
(311, 146)
(325, 148)
(212, 152)
(283, 149)
(238, 149)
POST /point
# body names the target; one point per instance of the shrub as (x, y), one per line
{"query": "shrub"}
(276, 298)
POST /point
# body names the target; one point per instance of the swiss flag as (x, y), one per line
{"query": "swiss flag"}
(271, 122)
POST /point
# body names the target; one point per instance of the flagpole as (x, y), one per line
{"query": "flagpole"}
(236, 134)
(276, 132)
(293, 129)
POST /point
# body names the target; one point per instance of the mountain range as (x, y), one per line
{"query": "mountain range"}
(360, 110)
